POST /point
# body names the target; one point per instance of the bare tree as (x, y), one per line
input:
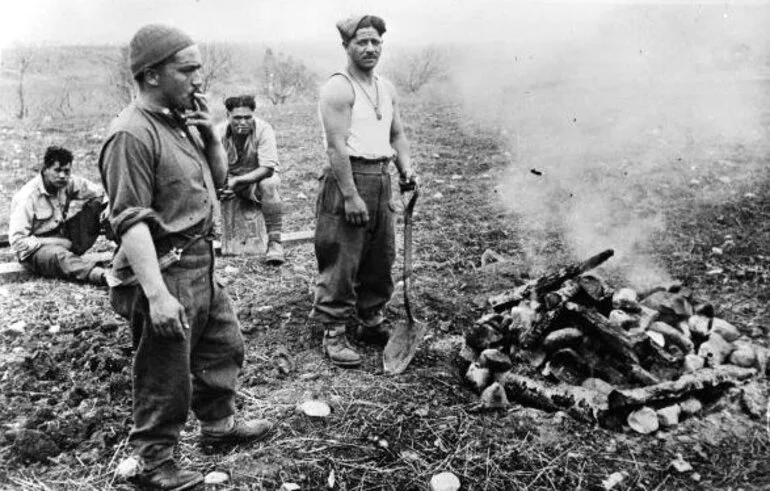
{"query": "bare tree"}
(413, 70)
(24, 62)
(283, 76)
(62, 102)
(217, 63)
(120, 76)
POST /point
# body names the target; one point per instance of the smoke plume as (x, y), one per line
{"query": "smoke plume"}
(614, 111)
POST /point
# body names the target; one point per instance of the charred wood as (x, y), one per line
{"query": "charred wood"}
(615, 338)
(709, 378)
(546, 283)
(580, 403)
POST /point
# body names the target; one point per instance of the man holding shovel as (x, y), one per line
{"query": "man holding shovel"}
(355, 237)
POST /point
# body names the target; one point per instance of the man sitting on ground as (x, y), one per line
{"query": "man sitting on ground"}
(253, 168)
(55, 219)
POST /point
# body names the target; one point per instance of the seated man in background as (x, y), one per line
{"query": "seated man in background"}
(55, 218)
(253, 168)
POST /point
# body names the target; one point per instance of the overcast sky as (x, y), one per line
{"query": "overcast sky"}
(538, 26)
(114, 21)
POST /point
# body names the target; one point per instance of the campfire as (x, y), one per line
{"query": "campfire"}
(606, 355)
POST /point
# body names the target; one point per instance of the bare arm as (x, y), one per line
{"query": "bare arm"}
(256, 175)
(336, 109)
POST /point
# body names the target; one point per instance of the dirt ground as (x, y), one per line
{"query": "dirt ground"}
(65, 380)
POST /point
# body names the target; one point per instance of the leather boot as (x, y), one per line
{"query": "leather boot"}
(374, 330)
(337, 347)
(167, 476)
(97, 276)
(238, 432)
(275, 255)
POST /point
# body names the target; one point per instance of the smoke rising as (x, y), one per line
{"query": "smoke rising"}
(614, 111)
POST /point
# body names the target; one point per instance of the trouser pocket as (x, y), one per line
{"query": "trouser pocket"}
(330, 199)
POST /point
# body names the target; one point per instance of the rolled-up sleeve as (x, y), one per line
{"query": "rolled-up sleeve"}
(267, 150)
(20, 237)
(126, 166)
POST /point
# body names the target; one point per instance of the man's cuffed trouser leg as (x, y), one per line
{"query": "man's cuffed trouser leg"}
(354, 263)
(54, 261)
(272, 208)
(211, 351)
(217, 359)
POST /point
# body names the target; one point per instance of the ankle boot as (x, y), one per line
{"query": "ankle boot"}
(337, 347)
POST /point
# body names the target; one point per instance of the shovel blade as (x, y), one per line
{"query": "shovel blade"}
(402, 346)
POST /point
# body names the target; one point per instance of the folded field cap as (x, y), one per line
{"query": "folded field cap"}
(154, 43)
(348, 27)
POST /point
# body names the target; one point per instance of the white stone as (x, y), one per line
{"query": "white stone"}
(315, 409)
(598, 385)
(744, 355)
(693, 362)
(17, 327)
(669, 416)
(644, 420)
(478, 377)
(613, 480)
(444, 481)
(626, 299)
(216, 477)
(716, 350)
(728, 331)
(690, 406)
(494, 397)
(700, 325)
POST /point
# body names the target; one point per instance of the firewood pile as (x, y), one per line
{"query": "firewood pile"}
(604, 354)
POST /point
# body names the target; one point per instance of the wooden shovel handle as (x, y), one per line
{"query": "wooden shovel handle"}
(408, 211)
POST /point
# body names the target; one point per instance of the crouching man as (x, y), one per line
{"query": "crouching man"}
(253, 168)
(55, 218)
(161, 165)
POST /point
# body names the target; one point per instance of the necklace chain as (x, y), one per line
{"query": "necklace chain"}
(375, 106)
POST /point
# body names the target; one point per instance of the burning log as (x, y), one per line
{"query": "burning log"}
(540, 325)
(562, 295)
(652, 347)
(546, 283)
(708, 378)
(614, 337)
(580, 403)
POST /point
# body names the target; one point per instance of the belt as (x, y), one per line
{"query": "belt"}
(360, 165)
(169, 250)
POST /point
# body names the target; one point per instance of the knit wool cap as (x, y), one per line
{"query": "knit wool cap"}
(154, 43)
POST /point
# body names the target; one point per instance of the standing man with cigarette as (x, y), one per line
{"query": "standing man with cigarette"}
(355, 237)
(160, 165)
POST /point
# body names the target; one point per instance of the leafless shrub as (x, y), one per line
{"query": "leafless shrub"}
(283, 77)
(23, 62)
(412, 70)
(218, 62)
(120, 78)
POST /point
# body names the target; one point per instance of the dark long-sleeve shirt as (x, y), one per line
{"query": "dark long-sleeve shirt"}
(154, 169)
